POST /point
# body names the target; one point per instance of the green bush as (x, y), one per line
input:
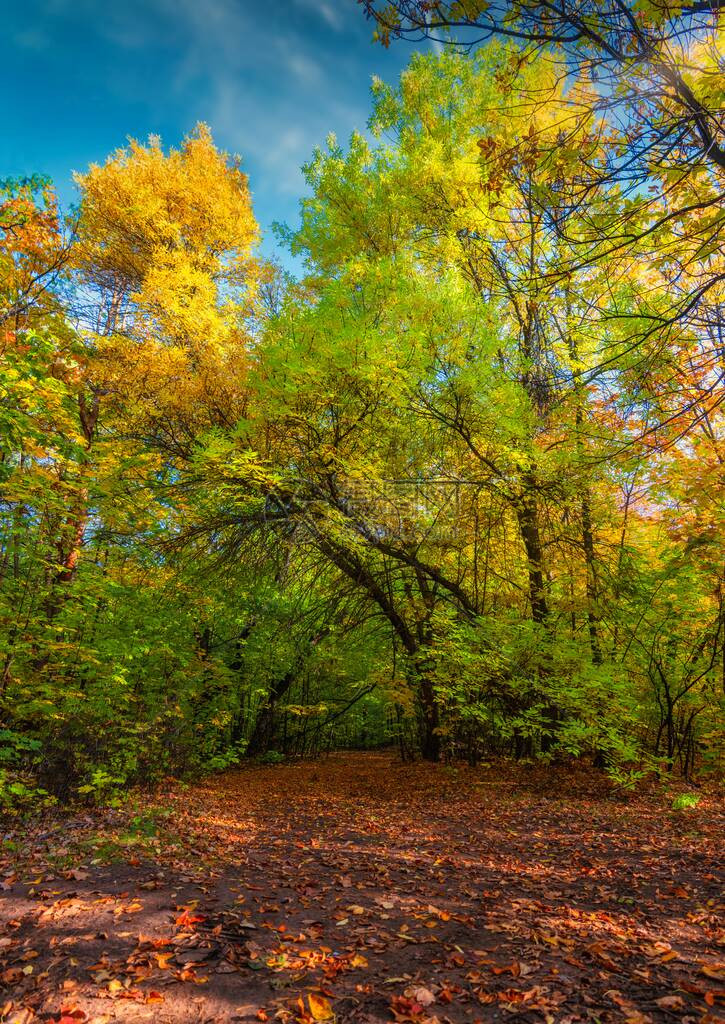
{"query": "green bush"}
(685, 801)
(271, 757)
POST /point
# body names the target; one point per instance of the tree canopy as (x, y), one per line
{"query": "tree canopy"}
(457, 489)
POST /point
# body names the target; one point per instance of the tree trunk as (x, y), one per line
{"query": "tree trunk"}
(591, 585)
(430, 740)
(263, 732)
(529, 525)
(528, 517)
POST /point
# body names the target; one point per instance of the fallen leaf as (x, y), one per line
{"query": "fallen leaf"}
(421, 995)
(320, 1007)
(670, 1002)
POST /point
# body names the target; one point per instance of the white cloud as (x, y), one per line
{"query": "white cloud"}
(327, 10)
(307, 71)
(330, 14)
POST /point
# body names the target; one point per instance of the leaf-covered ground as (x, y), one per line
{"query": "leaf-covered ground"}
(372, 891)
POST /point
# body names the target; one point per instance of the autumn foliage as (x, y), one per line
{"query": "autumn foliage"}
(456, 491)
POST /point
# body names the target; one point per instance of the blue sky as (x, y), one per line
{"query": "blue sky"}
(272, 79)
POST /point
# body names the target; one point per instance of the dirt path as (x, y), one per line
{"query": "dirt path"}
(372, 891)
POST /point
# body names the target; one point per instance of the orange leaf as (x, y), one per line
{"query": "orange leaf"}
(71, 1013)
(717, 972)
(186, 918)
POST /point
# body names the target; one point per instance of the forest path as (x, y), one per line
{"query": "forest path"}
(372, 891)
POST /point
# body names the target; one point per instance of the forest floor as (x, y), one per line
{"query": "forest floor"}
(363, 890)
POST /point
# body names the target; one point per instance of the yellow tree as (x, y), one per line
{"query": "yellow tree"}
(164, 259)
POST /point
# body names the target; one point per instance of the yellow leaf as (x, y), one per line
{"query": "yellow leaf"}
(320, 1007)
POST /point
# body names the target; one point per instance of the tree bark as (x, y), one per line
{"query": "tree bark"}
(528, 517)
